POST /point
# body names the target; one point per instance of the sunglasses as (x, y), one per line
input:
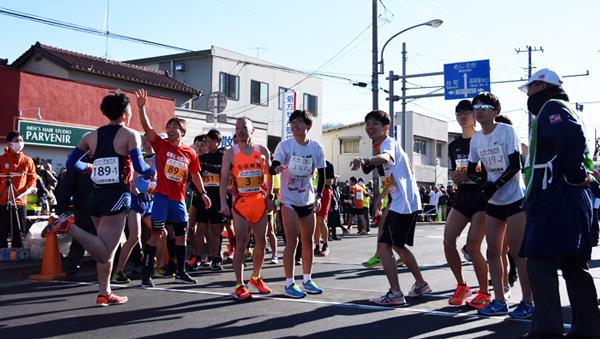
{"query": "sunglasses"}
(483, 107)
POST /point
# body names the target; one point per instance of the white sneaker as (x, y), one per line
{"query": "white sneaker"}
(418, 291)
(274, 260)
(389, 298)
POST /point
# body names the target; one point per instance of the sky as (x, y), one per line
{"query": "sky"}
(333, 37)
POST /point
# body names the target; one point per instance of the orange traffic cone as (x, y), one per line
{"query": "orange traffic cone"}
(51, 264)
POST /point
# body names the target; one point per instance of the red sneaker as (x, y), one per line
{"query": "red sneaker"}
(259, 285)
(242, 293)
(462, 292)
(58, 224)
(480, 301)
(111, 299)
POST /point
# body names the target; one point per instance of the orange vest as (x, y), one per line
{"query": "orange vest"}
(358, 194)
(248, 171)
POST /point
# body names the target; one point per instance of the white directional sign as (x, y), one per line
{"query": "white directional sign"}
(466, 79)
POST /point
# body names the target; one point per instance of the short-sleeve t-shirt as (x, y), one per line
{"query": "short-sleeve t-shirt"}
(458, 158)
(493, 150)
(173, 164)
(399, 179)
(301, 161)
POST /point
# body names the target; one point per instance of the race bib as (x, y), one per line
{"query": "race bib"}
(175, 170)
(249, 181)
(300, 167)
(493, 159)
(105, 171)
(211, 180)
(359, 196)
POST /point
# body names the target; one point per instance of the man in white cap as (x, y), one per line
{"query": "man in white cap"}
(559, 212)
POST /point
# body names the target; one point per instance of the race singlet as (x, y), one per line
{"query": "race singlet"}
(175, 170)
(105, 171)
(249, 181)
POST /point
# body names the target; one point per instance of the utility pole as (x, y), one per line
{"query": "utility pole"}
(375, 70)
(529, 66)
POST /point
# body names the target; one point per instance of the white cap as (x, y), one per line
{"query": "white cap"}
(163, 135)
(544, 75)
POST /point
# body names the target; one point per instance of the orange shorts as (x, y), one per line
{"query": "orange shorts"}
(251, 207)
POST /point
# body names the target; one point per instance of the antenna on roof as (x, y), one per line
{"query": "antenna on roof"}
(105, 29)
(258, 48)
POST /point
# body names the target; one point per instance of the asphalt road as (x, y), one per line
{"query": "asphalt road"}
(207, 310)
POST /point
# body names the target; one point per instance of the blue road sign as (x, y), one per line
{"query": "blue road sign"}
(466, 79)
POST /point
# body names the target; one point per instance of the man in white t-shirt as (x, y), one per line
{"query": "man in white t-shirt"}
(401, 215)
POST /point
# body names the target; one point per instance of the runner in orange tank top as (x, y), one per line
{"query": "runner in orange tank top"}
(252, 197)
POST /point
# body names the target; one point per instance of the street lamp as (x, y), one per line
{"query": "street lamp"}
(432, 23)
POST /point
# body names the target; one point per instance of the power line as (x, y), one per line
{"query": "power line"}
(84, 29)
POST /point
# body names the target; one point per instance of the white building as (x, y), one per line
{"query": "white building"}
(429, 144)
(253, 87)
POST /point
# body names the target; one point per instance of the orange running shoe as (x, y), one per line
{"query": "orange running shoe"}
(259, 285)
(242, 293)
(462, 292)
(59, 224)
(192, 260)
(111, 299)
(480, 301)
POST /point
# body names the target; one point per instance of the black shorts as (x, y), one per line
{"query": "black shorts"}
(357, 211)
(304, 211)
(502, 212)
(109, 201)
(398, 229)
(468, 200)
(211, 215)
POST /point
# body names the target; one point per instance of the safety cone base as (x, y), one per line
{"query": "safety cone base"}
(51, 263)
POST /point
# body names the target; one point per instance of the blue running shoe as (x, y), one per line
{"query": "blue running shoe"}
(494, 308)
(294, 292)
(311, 288)
(523, 311)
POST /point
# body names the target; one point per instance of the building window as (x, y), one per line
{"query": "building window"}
(259, 93)
(229, 85)
(350, 146)
(310, 104)
(439, 146)
(420, 146)
(282, 90)
(180, 67)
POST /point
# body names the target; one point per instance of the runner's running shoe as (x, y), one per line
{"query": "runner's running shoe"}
(120, 278)
(462, 292)
(147, 281)
(274, 260)
(523, 311)
(259, 285)
(111, 299)
(419, 291)
(293, 291)
(59, 224)
(480, 301)
(399, 262)
(372, 262)
(390, 298)
(325, 251)
(311, 287)
(242, 293)
(216, 265)
(494, 308)
(186, 278)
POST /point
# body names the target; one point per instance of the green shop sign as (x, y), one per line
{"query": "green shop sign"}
(35, 133)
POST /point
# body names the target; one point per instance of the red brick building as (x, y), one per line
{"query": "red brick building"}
(53, 96)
